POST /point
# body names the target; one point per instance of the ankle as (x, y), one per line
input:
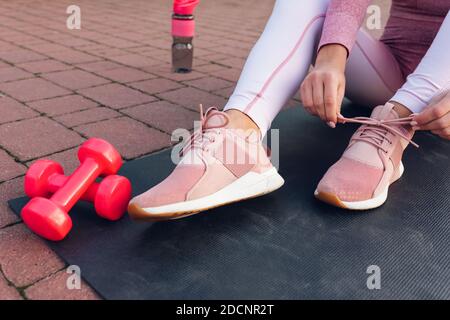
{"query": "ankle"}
(401, 110)
(239, 120)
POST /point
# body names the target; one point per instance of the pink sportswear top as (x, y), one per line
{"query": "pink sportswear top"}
(409, 32)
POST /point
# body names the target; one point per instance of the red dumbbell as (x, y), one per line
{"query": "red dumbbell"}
(49, 218)
(110, 197)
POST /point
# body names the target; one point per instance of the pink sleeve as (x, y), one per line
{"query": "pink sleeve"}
(342, 22)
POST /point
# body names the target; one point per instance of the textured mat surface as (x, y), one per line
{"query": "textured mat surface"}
(285, 245)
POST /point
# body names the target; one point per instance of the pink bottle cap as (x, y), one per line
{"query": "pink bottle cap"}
(184, 7)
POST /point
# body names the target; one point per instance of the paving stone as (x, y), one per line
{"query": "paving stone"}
(9, 167)
(73, 42)
(133, 36)
(55, 287)
(62, 105)
(43, 66)
(125, 74)
(20, 55)
(162, 43)
(7, 47)
(13, 73)
(32, 89)
(226, 92)
(75, 79)
(191, 98)
(91, 47)
(9, 190)
(149, 51)
(116, 96)
(135, 60)
(210, 68)
(202, 52)
(68, 159)
(232, 51)
(229, 74)
(86, 116)
(237, 63)
(130, 137)
(25, 258)
(209, 83)
(46, 47)
(166, 72)
(215, 57)
(11, 110)
(156, 85)
(98, 66)
(107, 52)
(72, 56)
(117, 42)
(32, 138)
(164, 116)
(4, 65)
(7, 291)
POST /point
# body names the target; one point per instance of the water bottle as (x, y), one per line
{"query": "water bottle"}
(183, 29)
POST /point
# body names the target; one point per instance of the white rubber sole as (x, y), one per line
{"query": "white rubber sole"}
(250, 185)
(360, 205)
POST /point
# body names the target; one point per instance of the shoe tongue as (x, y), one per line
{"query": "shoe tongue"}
(216, 119)
(365, 152)
(385, 112)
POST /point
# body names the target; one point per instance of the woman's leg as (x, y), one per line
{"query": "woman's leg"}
(278, 62)
(220, 165)
(282, 56)
(432, 75)
(372, 161)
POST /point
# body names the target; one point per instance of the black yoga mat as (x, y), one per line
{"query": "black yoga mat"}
(285, 245)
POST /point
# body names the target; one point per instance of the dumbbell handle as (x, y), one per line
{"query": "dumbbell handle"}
(57, 180)
(77, 184)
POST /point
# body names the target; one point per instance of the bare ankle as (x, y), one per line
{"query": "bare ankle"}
(239, 120)
(401, 110)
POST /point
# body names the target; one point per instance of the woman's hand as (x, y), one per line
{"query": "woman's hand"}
(323, 89)
(435, 117)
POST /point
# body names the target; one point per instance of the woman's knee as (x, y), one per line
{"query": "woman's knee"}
(372, 74)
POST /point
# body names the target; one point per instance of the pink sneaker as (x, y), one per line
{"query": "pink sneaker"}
(218, 166)
(360, 180)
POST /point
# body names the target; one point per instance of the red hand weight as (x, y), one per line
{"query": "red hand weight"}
(49, 217)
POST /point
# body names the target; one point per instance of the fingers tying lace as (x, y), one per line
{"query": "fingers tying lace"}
(375, 131)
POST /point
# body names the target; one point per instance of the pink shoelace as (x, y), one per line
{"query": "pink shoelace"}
(197, 138)
(374, 131)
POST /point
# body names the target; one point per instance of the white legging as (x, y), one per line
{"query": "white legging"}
(280, 60)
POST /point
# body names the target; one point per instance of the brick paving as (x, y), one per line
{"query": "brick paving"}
(110, 79)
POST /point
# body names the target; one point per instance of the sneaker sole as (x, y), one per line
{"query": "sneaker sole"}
(251, 185)
(373, 203)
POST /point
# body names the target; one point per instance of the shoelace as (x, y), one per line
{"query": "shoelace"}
(197, 138)
(374, 131)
